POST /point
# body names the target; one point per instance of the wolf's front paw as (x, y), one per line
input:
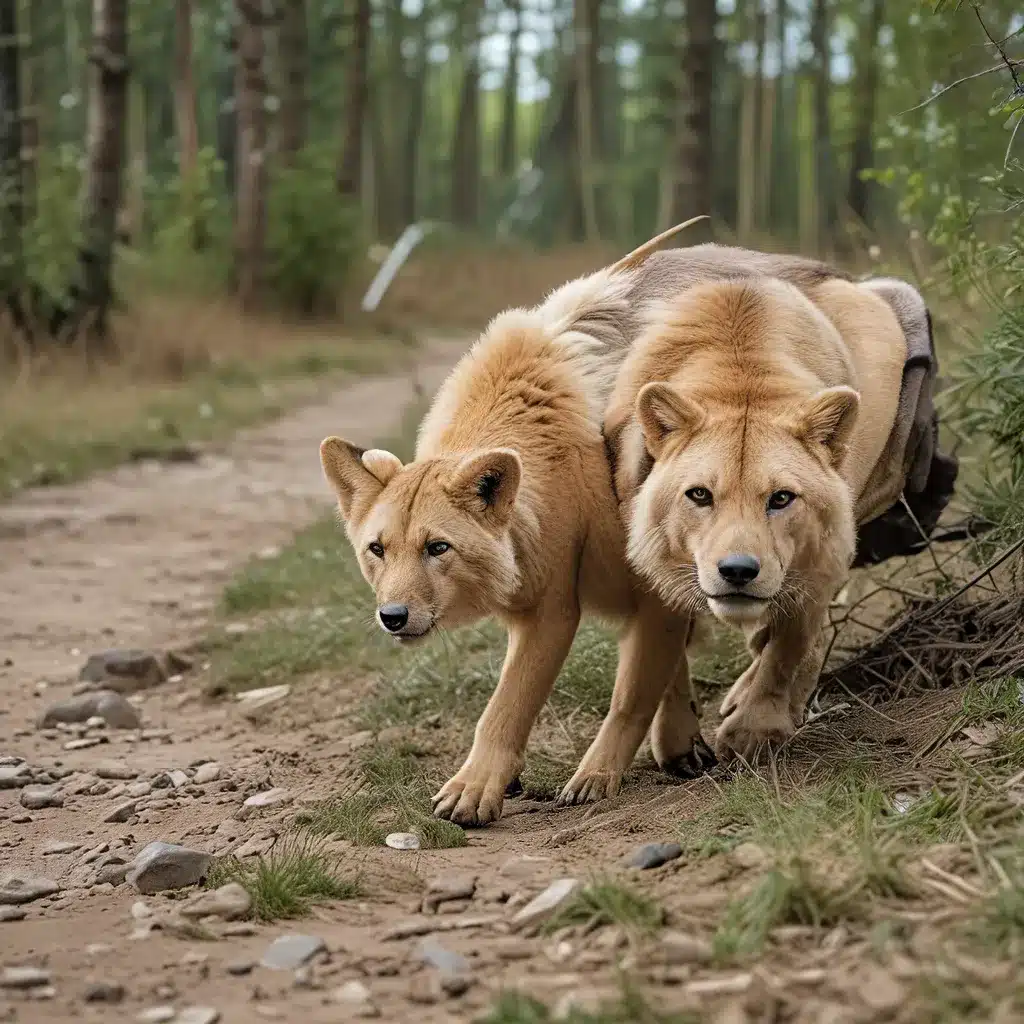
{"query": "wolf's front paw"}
(475, 794)
(589, 784)
(753, 728)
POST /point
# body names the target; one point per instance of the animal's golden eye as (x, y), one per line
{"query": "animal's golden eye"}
(436, 548)
(780, 500)
(700, 496)
(377, 549)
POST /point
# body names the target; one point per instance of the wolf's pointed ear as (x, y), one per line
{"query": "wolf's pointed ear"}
(827, 420)
(356, 474)
(662, 411)
(486, 483)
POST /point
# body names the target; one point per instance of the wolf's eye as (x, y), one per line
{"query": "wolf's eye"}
(377, 549)
(780, 500)
(436, 548)
(700, 496)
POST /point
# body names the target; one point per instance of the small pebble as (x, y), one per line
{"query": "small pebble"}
(104, 992)
(403, 841)
(653, 855)
(23, 978)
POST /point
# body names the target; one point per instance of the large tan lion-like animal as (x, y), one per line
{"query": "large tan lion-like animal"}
(751, 427)
(508, 510)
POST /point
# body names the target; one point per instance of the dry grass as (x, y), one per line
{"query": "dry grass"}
(184, 371)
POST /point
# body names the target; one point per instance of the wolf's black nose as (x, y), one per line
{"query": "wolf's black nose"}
(739, 570)
(393, 617)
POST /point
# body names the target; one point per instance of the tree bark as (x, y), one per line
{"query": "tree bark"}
(104, 163)
(350, 169)
(12, 211)
(693, 193)
(586, 15)
(465, 152)
(510, 96)
(294, 74)
(251, 188)
(227, 116)
(824, 167)
(31, 106)
(414, 123)
(185, 92)
(866, 94)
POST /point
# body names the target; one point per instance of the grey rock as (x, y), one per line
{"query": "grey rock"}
(206, 773)
(433, 953)
(230, 902)
(24, 978)
(543, 906)
(259, 801)
(35, 798)
(19, 887)
(449, 886)
(455, 984)
(139, 789)
(197, 1015)
(107, 705)
(178, 779)
(85, 742)
(111, 874)
(356, 996)
(21, 819)
(241, 967)
(653, 855)
(403, 841)
(287, 952)
(8, 913)
(104, 992)
(162, 866)
(14, 776)
(121, 813)
(124, 670)
(56, 848)
(116, 770)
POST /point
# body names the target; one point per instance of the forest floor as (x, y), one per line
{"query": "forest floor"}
(873, 872)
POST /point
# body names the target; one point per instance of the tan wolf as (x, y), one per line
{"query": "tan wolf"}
(748, 426)
(508, 510)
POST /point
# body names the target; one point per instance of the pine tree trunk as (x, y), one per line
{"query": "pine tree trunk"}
(510, 97)
(31, 105)
(866, 94)
(227, 116)
(251, 188)
(12, 211)
(824, 167)
(586, 13)
(780, 202)
(763, 157)
(694, 192)
(294, 74)
(185, 92)
(465, 152)
(350, 169)
(414, 124)
(104, 163)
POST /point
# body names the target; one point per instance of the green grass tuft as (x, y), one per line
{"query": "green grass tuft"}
(604, 902)
(286, 883)
(394, 797)
(630, 1008)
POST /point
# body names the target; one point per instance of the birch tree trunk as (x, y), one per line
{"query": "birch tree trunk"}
(104, 163)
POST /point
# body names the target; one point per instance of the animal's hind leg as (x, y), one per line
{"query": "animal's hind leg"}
(649, 656)
(676, 740)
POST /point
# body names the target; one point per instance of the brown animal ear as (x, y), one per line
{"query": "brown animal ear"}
(486, 483)
(827, 419)
(355, 473)
(662, 411)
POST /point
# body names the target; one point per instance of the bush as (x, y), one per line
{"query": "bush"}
(314, 237)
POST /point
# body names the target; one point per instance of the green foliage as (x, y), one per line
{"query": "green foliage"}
(314, 236)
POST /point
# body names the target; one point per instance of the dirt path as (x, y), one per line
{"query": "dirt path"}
(137, 558)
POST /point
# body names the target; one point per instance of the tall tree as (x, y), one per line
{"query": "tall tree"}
(104, 163)
(11, 198)
(408, 198)
(824, 169)
(465, 151)
(224, 88)
(251, 187)
(185, 92)
(350, 168)
(693, 193)
(586, 20)
(510, 95)
(865, 102)
(294, 54)
(32, 101)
